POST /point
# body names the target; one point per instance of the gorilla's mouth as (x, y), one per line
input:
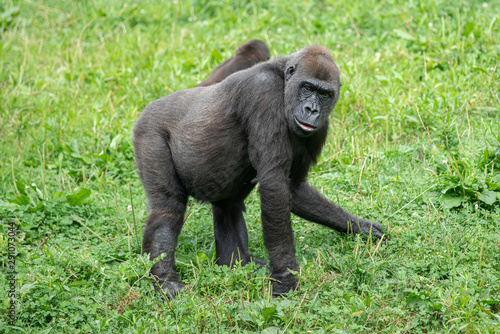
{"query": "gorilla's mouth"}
(304, 126)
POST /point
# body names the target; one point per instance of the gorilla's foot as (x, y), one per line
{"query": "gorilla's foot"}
(283, 283)
(168, 289)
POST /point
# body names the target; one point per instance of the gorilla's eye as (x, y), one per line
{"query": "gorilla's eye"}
(325, 94)
(307, 87)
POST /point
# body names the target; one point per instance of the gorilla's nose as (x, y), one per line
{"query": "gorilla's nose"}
(311, 108)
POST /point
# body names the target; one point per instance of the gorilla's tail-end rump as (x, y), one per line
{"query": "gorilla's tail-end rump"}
(267, 125)
(247, 55)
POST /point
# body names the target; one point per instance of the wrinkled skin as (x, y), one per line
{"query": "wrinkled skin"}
(264, 125)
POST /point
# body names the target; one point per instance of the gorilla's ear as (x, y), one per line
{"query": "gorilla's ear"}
(289, 72)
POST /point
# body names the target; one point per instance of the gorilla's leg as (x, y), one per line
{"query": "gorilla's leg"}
(162, 229)
(231, 236)
(309, 204)
(168, 203)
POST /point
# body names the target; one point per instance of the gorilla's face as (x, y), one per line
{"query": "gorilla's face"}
(312, 88)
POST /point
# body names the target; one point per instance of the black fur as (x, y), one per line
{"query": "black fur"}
(265, 125)
(247, 55)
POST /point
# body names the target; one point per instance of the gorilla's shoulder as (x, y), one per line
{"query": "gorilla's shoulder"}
(271, 70)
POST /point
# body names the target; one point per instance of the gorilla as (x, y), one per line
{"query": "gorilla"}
(266, 125)
(247, 55)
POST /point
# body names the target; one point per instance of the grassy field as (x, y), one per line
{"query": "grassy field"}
(414, 143)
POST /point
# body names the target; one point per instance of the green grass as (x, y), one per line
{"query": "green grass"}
(414, 143)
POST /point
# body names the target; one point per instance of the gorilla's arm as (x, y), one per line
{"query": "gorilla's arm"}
(309, 204)
(277, 230)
